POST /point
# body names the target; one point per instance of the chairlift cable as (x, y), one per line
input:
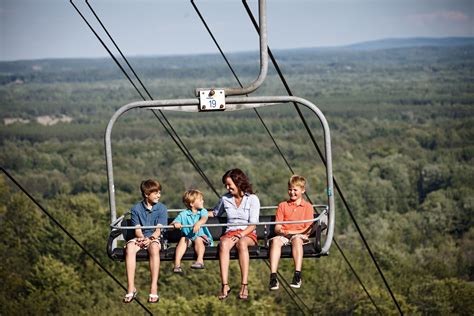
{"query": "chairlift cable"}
(239, 82)
(285, 283)
(287, 289)
(324, 161)
(53, 219)
(181, 146)
(173, 135)
(108, 50)
(118, 49)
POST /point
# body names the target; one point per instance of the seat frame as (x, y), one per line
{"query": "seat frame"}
(170, 238)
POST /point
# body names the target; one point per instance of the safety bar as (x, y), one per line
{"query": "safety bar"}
(259, 101)
(222, 225)
(262, 16)
(317, 206)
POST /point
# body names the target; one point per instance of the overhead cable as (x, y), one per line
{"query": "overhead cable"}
(271, 136)
(285, 284)
(324, 161)
(169, 129)
(53, 219)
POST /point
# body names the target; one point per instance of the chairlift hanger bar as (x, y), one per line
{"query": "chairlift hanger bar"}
(262, 16)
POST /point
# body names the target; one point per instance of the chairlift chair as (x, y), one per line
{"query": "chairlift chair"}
(225, 99)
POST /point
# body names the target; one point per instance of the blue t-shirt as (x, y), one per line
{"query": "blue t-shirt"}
(187, 217)
(145, 217)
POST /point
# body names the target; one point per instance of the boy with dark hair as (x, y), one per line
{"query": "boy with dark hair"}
(148, 212)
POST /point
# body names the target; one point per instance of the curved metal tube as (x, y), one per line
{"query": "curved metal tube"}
(262, 16)
(260, 102)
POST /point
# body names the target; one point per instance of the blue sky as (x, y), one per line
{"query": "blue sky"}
(34, 29)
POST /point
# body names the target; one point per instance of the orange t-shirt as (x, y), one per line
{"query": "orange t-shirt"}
(289, 211)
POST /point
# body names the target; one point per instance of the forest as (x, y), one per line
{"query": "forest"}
(402, 131)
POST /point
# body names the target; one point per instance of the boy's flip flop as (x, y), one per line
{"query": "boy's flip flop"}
(129, 297)
(153, 298)
(178, 270)
(197, 265)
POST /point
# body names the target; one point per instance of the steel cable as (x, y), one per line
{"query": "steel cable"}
(87, 252)
(324, 161)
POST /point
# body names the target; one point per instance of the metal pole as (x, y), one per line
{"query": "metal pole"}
(262, 16)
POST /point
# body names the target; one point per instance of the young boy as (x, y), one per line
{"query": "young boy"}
(148, 212)
(195, 215)
(296, 235)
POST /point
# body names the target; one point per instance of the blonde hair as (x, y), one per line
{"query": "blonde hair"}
(298, 181)
(190, 196)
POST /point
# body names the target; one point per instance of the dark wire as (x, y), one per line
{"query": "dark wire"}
(285, 283)
(175, 137)
(281, 154)
(286, 287)
(324, 161)
(70, 236)
(239, 82)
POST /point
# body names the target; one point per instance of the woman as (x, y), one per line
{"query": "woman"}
(242, 207)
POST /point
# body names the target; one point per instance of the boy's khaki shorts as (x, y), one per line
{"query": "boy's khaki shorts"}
(287, 240)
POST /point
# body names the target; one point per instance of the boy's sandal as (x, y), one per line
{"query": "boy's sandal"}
(177, 270)
(129, 297)
(242, 294)
(222, 295)
(197, 265)
(153, 298)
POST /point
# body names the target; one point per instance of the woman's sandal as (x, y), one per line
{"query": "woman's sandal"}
(153, 298)
(242, 294)
(223, 296)
(129, 297)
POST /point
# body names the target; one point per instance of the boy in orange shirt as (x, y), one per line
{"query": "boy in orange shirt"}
(296, 235)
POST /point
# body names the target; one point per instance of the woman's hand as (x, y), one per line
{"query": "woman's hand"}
(236, 237)
(177, 225)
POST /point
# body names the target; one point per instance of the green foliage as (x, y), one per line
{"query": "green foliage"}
(402, 129)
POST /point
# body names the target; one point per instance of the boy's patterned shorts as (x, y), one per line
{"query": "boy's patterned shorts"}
(288, 239)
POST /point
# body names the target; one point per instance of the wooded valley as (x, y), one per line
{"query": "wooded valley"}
(402, 129)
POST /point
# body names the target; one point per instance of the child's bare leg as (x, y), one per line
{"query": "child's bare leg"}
(199, 248)
(130, 265)
(297, 251)
(275, 254)
(180, 250)
(154, 252)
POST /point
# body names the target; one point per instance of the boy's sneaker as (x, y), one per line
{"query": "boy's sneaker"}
(274, 285)
(296, 283)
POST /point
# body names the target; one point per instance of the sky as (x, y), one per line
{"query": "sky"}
(38, 29)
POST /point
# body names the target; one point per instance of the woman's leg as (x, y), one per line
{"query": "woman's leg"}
(225, 246)
(244, 260)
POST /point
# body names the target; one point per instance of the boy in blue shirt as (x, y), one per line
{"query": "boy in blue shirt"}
(195, 215)
(148, 212)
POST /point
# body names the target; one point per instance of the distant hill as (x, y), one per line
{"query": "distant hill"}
(390, 43)
(211, 66)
